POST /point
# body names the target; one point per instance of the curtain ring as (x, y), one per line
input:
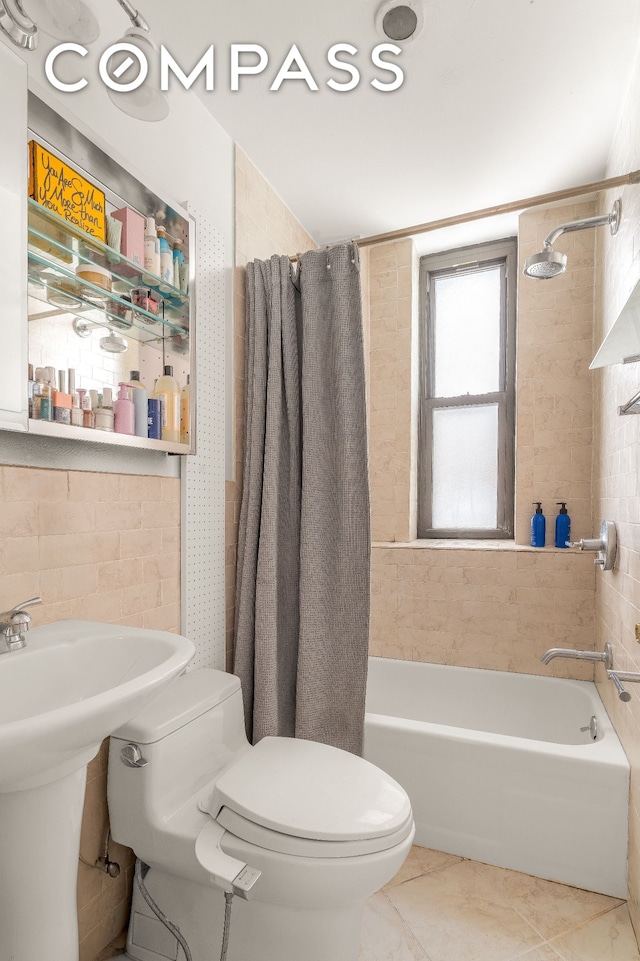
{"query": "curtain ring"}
(327, 248)
(355, 255)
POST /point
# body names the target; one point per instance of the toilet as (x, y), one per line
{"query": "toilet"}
(301, 832)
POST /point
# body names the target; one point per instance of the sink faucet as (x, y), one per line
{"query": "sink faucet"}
(605, 656)
(14, 624)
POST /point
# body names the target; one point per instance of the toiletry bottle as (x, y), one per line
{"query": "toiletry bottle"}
(62, 401)
(167, 391)
(185, 399)
(42, 396)
(538, 526)
(166, 256)
(76, 411)
(140, 397)
(178, 260)
(563, 526)
(88, 416)
(154, 419)
(151, 248)
(125, 412)
(104, 413)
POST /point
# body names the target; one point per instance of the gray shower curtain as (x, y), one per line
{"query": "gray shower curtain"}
(302, 589)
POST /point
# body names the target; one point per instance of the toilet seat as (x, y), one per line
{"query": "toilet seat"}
(270, 840)
(287, 793)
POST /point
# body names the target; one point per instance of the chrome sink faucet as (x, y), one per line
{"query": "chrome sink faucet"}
(14, 624)
(605, 656)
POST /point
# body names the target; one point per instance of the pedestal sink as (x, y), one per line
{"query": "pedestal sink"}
(72, 685)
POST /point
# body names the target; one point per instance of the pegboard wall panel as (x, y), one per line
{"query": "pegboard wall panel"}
(203, 473)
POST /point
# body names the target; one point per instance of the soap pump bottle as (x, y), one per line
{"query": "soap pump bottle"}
(563, 526)
(124, 412)
(168, 392)
(538, 526)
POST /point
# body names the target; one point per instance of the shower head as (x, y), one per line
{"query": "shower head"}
(548, 263)
(113, 344)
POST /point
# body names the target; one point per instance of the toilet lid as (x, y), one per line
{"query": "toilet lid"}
(310, 790)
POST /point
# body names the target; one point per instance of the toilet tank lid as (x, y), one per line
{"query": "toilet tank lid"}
(183, 700)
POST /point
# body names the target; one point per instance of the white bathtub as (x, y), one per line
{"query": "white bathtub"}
(498, 770)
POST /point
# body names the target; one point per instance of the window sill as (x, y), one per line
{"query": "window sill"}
(473, 545)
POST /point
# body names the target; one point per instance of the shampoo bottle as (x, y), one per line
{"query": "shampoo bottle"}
(168, 392)
(563, 526)
(538, 526)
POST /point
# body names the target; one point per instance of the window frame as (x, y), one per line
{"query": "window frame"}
(502, 253)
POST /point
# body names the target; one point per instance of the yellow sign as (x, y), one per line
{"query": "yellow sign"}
(57, 186)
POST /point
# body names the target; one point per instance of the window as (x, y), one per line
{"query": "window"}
(467, 420)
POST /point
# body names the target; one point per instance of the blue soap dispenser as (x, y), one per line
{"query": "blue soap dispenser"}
(538, 526)
(563, 526)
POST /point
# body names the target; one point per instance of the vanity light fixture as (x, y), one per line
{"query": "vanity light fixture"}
(65, 20)
(73, 21)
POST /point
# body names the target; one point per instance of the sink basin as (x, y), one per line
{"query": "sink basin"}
(72, 685)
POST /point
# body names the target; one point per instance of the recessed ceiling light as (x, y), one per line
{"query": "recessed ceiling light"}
(400, 20)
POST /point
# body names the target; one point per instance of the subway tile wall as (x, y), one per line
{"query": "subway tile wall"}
(102, 547)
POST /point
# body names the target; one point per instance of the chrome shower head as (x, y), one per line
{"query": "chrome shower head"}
(548, 263)
(545, 265)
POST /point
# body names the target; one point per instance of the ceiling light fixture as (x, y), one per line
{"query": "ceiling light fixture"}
(73, 21)
(400, 20)
(148, 101)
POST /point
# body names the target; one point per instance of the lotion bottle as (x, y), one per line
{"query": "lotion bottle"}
(151, 247)
(124, 412)
(538, 526)
(166, 256)
(140, 397)
(563, 526)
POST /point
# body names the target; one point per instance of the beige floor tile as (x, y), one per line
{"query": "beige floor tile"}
(550, 908)
(385, 937)
(543, 953)
(455, 915)
(421, 861)
(608, 938)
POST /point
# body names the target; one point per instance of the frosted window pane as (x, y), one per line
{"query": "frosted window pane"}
(467, 333)
(465, 467)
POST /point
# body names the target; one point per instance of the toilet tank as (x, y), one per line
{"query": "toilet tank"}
(187, 735)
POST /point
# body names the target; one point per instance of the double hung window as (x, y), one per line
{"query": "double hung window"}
(467, 417)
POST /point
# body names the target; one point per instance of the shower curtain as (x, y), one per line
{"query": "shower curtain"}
(302, 589)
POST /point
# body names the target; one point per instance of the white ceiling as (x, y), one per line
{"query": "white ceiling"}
(502, 99)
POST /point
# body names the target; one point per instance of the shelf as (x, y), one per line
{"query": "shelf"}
(63, 241)
(45, 281)
(48, 428)
(622, 343)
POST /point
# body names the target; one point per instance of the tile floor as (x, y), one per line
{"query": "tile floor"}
(443, 908)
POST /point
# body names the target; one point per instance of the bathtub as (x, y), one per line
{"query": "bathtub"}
(499, 768)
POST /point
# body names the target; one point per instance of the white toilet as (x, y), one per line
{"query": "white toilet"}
(303, 831)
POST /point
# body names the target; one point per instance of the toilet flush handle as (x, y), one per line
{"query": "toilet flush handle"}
(131, 755)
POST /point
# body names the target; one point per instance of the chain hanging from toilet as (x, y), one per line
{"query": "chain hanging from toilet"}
(175, 931)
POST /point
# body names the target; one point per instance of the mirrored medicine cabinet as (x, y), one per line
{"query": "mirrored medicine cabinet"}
(91, 310)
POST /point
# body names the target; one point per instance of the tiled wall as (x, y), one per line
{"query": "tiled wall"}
(554, 385)
(264, 226)
(489, 605)
(617, 467)
(102, 547)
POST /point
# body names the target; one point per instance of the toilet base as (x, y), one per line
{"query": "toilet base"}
(259, 931)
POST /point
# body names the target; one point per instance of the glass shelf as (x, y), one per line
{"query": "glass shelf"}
(56, 242)
(73, 296)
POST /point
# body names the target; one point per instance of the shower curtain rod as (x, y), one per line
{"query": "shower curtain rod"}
(507, 208)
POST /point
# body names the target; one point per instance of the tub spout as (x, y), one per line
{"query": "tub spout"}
(604, 656)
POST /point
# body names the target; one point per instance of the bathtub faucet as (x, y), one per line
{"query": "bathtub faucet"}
(605, 656)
